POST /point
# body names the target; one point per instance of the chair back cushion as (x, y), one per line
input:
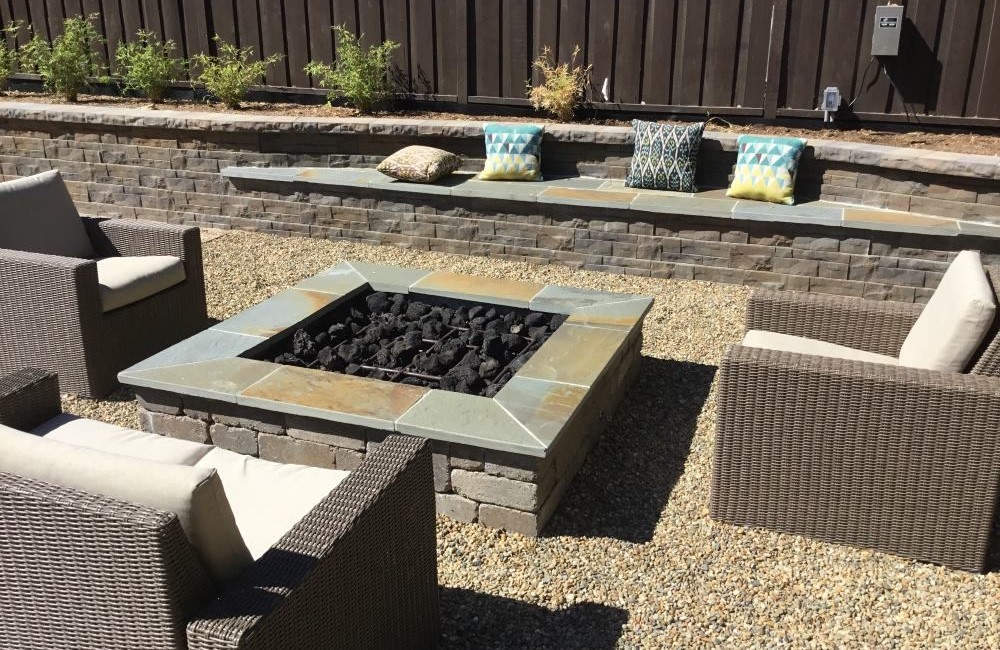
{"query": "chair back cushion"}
(125, 280)
(102, 436)
(37, 215)
(955, 321)
(269, 498)
(194, 494)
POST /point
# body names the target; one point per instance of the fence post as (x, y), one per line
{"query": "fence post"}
(462, 52)
(775, 58)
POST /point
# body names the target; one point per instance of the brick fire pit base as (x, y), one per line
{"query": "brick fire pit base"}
(504, 461)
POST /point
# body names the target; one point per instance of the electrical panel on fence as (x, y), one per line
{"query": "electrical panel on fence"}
(888, 28)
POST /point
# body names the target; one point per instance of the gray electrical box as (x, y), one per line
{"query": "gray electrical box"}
(888, 27)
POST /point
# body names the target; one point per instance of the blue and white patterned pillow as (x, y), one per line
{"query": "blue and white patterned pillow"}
(665, 156)
(513, 152)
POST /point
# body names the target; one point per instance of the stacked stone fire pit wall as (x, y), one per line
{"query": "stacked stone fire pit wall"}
(165, 166)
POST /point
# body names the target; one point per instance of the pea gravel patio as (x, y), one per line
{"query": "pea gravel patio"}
(631, 558)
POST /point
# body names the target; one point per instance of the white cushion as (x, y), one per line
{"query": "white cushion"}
(119, 440)
(125, 280)
(269, 498)
(37, 215)
(194, 494)
(802, 345)
(955, 321)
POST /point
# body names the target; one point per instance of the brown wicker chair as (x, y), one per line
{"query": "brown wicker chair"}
(84, 571)
(52, 315)
(892, 458)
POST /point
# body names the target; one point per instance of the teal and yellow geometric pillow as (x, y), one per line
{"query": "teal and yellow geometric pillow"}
(513, 153)
(765, 169)
(665, 156)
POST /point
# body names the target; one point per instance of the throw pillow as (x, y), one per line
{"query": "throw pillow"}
(513, 152)
(665, 156)
(420, 164)
(37, 215)
(766, 168)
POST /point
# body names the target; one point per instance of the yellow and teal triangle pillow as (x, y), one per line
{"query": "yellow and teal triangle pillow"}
(766, 168)
(513, 152)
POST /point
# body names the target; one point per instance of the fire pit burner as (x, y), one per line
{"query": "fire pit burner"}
(459, 346)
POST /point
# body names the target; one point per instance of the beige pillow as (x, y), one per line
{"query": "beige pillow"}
(419, 164)
(37, 215)
(194, 494)
(802, 345)
(955, 321)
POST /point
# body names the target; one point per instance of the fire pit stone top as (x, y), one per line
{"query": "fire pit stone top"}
(527, 415)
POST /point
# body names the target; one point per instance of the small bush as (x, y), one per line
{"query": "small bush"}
(230, 75)
(147, 66)
(360, 74)
(67, 63)
(8, 54)
(563, 85)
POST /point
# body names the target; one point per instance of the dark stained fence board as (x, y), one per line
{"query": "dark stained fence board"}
(397, 28)
(131, 18)
(545, 21)
(272, 30)
(515, 33)
(345, 12)
(805, 38)
(54, 16)
(628, 51)
(984, 98)
(572, 28)
(657, 69)
(917, 75)
(223, 20)
(689, 60)
(36, 16)
(955, 53)
(296, 42)
(721, 48)
(451, 41)
(874, 87)
(601, 43)
(841, 47)
(751, 69)
(487, 48)
(320, 31)
(248, 26)
(151, 17)
(195, 24)
(370, 21)
(422, 66)
(114, 31)
(172, 27)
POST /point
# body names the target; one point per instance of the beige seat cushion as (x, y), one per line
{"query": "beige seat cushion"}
(955, 321)
(125, 280)
(194, 494)
(119, 440)
(802, 345)
(37, 215)
(269, 498)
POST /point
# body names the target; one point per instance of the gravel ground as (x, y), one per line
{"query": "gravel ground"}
(631, 559)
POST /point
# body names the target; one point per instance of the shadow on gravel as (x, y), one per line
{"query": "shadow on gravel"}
(622, 487)
(473, 620)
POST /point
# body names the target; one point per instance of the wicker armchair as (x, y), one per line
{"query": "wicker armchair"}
(897, 459)
(52, 315)
(85, 571)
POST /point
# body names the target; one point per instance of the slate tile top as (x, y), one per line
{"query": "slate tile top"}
(469, 419)
(575, 354)
(588, 197)
(328, 395)
(204, 346)
(899, 221)
(803, 213)
(340, 280)
(277, 314)
(388, 278)
(510, 293)
(556, 299)
(219, 379)
(543, 407)
(616, 315)
(663, 203)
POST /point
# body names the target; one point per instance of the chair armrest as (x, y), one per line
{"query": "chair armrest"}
(874, 326)
(358, 571)
(129, 237)
(900, 459)
(28, 397)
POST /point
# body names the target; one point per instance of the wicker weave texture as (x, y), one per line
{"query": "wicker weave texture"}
(28, 397)
(52, 307)
(359, 571)
(897, 459)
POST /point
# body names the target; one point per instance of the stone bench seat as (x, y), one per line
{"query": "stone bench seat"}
(601, 193)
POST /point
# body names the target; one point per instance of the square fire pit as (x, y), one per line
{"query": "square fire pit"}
(356, 350)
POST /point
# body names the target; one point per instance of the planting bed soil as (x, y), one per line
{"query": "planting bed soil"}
(459, 346)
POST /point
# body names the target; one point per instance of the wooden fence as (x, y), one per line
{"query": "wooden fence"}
(766, 58)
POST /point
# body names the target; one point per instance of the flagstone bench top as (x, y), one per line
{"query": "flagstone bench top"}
(601, 193)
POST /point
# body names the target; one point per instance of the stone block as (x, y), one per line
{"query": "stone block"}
(514, 466)
(334, 434)
(242, 441)
(178, 426)
(349, 460)
(248, 417)
(442, 473)
(456, 507)
(497, 490)
(283, 449)
(516, 521)
(159, 401)
(466, 457)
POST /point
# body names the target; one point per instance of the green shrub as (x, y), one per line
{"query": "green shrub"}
(230, 75)
(68, 62)
(8, 55)
(360, 74)
(563, 85)
(147, 66)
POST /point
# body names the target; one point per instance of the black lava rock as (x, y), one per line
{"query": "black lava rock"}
(417, 309)
(289, 359)
(303, 346)
(489, 369)
(351, 352)
(557, 320)
(534, 319)
(493, 345)
(378, 302)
